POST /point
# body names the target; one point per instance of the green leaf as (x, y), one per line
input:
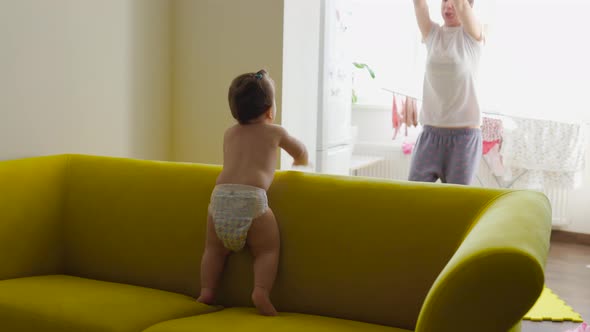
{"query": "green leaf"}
(365, 66)
(371, 72)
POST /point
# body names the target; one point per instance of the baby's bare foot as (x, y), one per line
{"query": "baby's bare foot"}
(261, 300)
(207, 296)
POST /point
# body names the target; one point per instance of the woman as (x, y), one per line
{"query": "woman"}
(450, 147)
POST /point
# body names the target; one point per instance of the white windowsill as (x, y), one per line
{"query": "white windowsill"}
(370, 108)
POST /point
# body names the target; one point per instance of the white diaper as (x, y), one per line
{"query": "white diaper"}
(233, 207)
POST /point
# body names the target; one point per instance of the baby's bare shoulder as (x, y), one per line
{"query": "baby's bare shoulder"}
(231, 131)
(276, 130)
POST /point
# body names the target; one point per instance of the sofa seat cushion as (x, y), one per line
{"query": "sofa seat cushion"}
(61, 303)
(246, 319)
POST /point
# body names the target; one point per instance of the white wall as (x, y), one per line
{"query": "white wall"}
(84, 76)
(215, 41)
(301, 73)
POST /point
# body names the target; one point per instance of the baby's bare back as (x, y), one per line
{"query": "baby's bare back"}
(250, 155)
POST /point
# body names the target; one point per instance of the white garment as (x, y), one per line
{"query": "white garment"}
(551, 153)
(494, 161)
(449, 96)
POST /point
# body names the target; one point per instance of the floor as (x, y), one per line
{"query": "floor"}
(568, 275)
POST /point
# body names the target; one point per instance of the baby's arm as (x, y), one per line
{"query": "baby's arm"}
(294, 147)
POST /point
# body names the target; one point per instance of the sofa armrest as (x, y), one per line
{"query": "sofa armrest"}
(497, 273)
(31, 196)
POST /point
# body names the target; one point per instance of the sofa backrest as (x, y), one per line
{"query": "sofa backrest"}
(356, 248)
(31, 201)
(137, 222)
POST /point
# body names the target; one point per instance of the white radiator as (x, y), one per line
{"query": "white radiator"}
(559, 197)
(396, 165)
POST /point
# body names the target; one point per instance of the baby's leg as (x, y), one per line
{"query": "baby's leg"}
(211, 264)
(264, 242)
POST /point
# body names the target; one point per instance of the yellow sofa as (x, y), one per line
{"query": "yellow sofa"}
(100, 244)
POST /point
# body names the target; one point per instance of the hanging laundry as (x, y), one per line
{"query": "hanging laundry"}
(395, 118)
(491, 129)
(493, 159)
(409, 113)
(491, 133)
(552, 154)
(489, 145)
(405, 112)
(414, 113)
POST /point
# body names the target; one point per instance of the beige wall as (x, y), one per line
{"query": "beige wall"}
(85, 76)
(151, 74)
(214, 41)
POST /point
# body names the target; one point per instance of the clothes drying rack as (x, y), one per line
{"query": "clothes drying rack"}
(497, 179)
(492, 113)
(483, 112)
(499, 182)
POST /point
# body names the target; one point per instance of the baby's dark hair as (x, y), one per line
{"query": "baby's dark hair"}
(250, 95)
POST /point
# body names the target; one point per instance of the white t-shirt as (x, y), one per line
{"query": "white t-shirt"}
(449, 96)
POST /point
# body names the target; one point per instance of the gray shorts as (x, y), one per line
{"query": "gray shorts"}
(451, 155)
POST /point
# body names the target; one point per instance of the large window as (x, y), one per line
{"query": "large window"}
(536, 61)
(386, 38)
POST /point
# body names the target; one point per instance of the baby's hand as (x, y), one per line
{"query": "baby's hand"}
(303, 168)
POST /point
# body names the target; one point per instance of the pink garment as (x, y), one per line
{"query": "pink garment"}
(582, 328)
(491, 133)
(491, 129)
(405, 106)
(409, 113)
(395, 118)
(407, 147)
(488, 145)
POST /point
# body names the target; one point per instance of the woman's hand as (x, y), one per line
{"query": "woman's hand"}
(468, 19)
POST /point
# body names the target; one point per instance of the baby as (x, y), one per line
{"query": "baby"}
(238, 212)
